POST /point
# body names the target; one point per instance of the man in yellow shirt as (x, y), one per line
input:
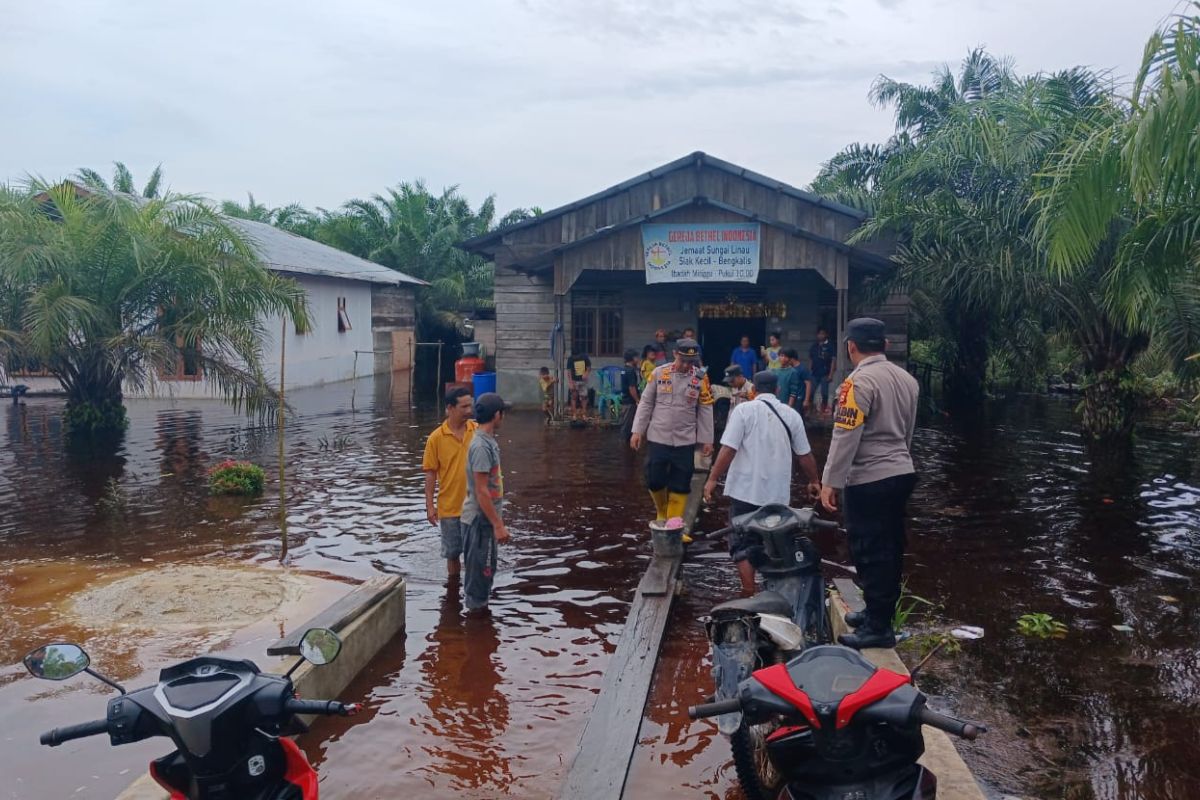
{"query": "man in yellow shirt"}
(445, 466)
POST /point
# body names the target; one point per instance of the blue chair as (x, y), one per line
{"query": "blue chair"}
(608, 395)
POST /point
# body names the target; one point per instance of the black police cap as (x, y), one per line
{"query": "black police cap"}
(866, 331)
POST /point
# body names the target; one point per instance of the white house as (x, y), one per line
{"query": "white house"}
(363, 319)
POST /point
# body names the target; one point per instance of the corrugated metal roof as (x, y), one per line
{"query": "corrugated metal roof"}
(287, 252)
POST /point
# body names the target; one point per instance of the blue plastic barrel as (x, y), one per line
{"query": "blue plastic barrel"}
(484, 382)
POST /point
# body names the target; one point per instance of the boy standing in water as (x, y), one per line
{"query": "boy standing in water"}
(481, 513)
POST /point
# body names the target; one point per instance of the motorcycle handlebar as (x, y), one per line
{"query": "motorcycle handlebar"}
(815, 522)
(958, 727)
(715, 534)
(330, 708)
(59, 735)
(715, 709)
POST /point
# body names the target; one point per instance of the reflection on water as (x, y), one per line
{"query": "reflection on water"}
(462, 681)
(1010, 517)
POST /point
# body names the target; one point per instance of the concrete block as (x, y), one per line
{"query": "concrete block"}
(361, 640)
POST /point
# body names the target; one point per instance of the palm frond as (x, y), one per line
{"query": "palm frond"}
(154, 183)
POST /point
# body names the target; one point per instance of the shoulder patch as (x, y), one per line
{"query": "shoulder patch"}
(848, 415)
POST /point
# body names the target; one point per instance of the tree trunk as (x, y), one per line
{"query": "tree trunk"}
(1110, 405)
(95, 410)
(966, 374)
(1111, 399)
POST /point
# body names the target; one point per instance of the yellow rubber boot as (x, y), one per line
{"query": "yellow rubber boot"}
(661, 502)
(676, 505)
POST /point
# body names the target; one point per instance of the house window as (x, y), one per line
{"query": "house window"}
(596, 324)
(25, 368)
(343, 318)
(187, 359)
(187, 363)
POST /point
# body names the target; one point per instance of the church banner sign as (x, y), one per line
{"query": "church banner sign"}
(718, 252)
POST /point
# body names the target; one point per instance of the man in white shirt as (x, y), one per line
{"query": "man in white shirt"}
(757, 448)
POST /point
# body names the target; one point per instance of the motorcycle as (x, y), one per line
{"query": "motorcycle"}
(767, 629)
(228, 720)
(846, 730)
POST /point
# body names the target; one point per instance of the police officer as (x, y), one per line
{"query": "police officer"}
(870, 462)
(675, 415)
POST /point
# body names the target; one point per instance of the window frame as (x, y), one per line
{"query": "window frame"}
(603, 324)
(343, 317)
(23, 371)
(180, 373)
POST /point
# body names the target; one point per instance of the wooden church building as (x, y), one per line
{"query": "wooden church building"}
(697, 243)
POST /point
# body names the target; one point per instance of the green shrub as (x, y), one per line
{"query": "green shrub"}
(909, 605)
(236, 477)
(1041, 626)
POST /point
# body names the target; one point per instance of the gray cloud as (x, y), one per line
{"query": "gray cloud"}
(539, 101)
(649, 21)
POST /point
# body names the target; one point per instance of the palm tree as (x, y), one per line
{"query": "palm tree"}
(408, 228)
(854, 176)
(519, 215)
(293, 217)
(253, 210)
(920, 110)
(122, 181)
(1124, 193)
(108, 292)
(960, 328)
(962, 201)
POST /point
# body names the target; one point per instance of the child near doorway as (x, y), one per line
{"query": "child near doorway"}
(546, 381)
(772, 352)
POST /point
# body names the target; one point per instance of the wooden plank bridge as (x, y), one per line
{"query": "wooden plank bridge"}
(601, 765)
(610, 736)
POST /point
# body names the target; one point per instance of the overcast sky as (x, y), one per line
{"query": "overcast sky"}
(537, 101)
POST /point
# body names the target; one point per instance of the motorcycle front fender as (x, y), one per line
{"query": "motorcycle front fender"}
(806, 595)
(733, 662)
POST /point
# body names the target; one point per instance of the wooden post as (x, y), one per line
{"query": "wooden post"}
(439, 390)
(282, 412)
(842, 286)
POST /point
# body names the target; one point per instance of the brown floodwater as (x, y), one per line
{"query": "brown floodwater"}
(1012, 516)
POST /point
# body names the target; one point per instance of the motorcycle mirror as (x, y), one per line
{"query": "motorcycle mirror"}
(57, 662)
(320, 646)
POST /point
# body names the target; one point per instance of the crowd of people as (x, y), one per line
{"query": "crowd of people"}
(668, 406)
(801, 382)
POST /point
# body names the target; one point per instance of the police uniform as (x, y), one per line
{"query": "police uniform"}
(674, 415)
(870, 461)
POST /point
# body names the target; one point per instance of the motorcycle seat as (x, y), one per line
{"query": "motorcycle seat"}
(761, 603)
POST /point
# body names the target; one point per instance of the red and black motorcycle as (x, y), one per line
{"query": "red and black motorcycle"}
(842, 728)
(228, 720)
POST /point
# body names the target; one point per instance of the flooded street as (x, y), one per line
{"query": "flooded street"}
(1012, 517)
(1009, 520)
